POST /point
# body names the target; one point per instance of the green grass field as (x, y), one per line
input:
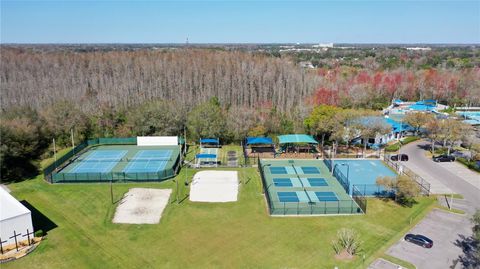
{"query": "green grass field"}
(198, 235)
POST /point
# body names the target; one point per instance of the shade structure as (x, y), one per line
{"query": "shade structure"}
(209, 141)
(296, 138)
(205, 156)
(259, 141)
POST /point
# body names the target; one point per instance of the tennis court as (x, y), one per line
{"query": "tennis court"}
(146, 161)
(364, 174)
(304, 187)
(121, 163)
(208, 157)
(101, 161)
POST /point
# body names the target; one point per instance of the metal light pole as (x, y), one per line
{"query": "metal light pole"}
(111, 189)
(348, 168)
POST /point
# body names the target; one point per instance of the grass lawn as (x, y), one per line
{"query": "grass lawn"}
(199, 235)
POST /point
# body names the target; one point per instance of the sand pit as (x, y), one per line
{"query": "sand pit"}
(142, 206)
(214, 186)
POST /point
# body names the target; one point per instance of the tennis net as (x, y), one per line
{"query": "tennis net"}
(99, 160)
(153, 159)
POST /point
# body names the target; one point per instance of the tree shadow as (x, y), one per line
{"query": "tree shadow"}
(19, 170)
(470, 257)
(39, 220)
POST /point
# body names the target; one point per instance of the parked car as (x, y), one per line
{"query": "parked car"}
(401, 157)
(420, 240)
(444, 158)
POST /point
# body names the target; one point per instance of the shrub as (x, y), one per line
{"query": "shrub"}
(38, 233)
(348, 240)
(393, 147)
(409, 139)
(470, 164)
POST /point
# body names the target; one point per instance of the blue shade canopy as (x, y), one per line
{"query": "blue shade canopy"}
(296, 138)
(206, 156)
(259, 141)
(210, 140)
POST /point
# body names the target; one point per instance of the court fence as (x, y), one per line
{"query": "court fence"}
(316, 208)
(51, 171)
(278, 208)
(342, 179)
(423, 185)
(373, 190)
(360, 199)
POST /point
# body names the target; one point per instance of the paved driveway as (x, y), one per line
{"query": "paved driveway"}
(442, 174)
(446, 230)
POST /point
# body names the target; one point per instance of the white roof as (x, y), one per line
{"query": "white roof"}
(157, 140)
(10, 207)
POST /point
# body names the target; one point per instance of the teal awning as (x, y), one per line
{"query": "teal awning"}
(296, 138)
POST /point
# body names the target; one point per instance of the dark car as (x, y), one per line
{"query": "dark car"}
(444, 158)
(401, 157)
(420, 240)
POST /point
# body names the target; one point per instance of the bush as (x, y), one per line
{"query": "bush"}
(409, 139)
(470, 164)
(38, 233)
(393, 148)
(348, 240)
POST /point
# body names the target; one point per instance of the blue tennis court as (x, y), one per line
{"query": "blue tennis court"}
(148, 161)
(326, 196)
(282, 182)
(364, 172)
(282, 170)
(308, 170)
(292, 196)
(99, 161)
(317, 182)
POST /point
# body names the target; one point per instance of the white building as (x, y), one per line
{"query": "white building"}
(13, 217)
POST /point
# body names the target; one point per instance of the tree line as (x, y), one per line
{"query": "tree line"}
(209, 93)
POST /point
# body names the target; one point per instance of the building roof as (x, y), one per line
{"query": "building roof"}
(10, 207)
(205, 156)
(259, 141)
(296, 138)
(210, 140)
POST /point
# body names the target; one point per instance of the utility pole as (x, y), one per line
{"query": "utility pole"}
(54, 153)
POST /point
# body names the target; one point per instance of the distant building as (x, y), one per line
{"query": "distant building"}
(420, 48)
(323, 45)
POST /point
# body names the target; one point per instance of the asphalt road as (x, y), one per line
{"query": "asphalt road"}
(442, 174)
(450, 232)
(447, 231)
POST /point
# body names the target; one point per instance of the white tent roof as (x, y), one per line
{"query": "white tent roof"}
(10, 207)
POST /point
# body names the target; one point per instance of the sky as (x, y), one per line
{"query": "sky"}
(387, 21)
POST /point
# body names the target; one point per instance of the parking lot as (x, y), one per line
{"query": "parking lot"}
(446, 230)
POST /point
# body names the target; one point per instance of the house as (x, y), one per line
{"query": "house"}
(398, 129)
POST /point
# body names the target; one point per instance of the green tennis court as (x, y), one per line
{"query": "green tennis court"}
(121, 163)
(304, 187)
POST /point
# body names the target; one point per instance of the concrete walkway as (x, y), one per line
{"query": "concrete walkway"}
(384, 264)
